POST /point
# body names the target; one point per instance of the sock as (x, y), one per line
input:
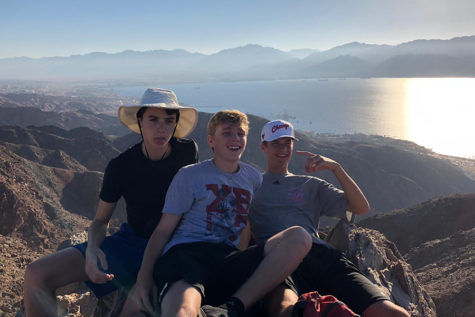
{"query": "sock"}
(235, 304)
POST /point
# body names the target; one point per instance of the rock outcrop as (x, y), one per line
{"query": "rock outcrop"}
(380, 261)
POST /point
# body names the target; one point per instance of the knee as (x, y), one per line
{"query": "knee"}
(34, 275)
(187, 311)
(184, 310)
(181, 300)
(298, 240)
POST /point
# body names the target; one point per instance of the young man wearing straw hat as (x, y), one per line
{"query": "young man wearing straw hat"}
(192, 256)
(285, 200)
(141, 175)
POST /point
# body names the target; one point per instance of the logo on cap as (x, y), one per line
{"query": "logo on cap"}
(279, 126)
(276, 129)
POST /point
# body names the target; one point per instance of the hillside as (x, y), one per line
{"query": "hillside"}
(437, 238)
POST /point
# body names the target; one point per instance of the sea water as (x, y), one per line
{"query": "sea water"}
(437, 113)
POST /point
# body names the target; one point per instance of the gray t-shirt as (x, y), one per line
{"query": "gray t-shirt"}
(214, 204)
(286, 200)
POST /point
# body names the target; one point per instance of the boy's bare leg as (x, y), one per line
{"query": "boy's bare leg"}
(45, 275)
(131, 308)
(385, 308)
(283, 253)
(181, 300)
(280, 302)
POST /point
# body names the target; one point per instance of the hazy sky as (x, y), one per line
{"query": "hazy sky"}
(64, 27)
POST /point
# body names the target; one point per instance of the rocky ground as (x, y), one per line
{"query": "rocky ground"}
(446, 268)
(14, 256)
(41, 210)
(437, 239)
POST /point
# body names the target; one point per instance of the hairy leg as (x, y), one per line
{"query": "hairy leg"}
(385, 308)
(48, 273)
(181, 300)
(283, 253)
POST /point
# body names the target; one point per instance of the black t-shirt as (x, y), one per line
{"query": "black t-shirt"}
(144, 183)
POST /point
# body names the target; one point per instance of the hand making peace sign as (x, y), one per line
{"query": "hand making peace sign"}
(316, 162)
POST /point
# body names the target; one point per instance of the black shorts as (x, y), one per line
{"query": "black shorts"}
(328, 271)
(215, 270)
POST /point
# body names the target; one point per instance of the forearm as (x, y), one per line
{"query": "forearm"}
(96, 233)
(357, 202)
(245, 237)
(98, 228)
(156, 244)
(154, 248)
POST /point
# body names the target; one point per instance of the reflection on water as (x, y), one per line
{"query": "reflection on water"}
(436, 112)
(440, 114)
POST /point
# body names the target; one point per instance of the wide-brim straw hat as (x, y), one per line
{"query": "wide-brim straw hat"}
(161, 99)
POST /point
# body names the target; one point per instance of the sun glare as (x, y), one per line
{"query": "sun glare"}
(438, 111)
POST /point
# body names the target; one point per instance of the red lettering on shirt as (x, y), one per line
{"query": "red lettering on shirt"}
(242, 199)
(219, 194)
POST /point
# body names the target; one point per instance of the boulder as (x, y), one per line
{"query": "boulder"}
(380, 261)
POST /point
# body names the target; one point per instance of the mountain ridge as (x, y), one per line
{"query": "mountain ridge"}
(246, 62)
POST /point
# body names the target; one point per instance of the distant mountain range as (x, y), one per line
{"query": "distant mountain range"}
(419, 58)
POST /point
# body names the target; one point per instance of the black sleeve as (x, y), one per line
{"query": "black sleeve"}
(111, 189)
(188, 151)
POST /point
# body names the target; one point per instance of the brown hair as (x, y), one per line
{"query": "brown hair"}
(228, 116)
(142, 110)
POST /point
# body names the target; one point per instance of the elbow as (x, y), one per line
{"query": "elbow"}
(365, 209)
(361, 209)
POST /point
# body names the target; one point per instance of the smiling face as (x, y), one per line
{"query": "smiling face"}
(157, 127)
(228, 143)
(278, 153)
